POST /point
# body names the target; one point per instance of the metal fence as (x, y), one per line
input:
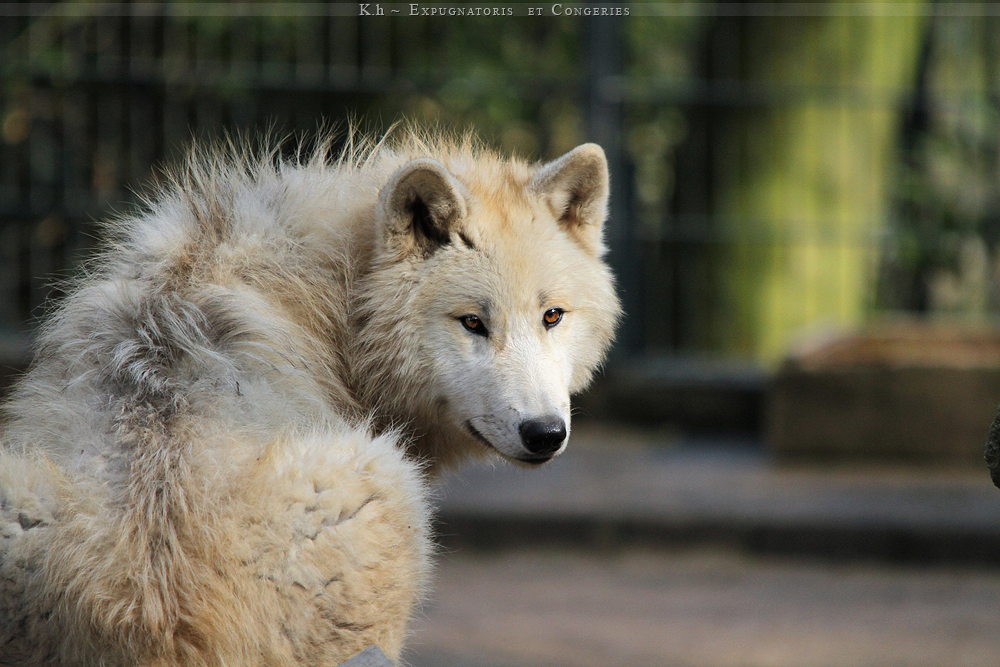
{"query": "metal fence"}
(93, 101)
(755, 193)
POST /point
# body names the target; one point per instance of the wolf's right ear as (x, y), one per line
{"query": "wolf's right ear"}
(421, 205)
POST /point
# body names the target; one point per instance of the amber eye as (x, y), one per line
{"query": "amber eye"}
(552, 317)
(473, 324)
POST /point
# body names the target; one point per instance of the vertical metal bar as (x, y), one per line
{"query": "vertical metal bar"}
(344, 36)
(10, 316)
(602, 93)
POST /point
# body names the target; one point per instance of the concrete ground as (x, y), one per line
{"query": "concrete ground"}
(540, 608)
(628, 487)
(638, 549)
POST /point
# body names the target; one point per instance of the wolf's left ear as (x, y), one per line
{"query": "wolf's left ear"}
(575, 187)
(422, 205)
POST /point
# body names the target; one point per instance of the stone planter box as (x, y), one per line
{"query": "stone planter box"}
(914, 393)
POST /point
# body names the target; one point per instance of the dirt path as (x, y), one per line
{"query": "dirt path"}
(703, 609)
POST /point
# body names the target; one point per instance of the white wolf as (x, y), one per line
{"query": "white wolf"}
(220, 454)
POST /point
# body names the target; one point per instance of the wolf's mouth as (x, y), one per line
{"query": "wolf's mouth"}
(479, 436)
(533, 461)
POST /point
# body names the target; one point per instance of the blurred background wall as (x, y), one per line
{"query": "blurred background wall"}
(778, 170)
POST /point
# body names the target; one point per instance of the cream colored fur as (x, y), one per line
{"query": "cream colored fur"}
(221, 453)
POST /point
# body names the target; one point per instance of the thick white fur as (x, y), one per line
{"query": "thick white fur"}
(221, 453)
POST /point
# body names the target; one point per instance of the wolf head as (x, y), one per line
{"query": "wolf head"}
(489, 288)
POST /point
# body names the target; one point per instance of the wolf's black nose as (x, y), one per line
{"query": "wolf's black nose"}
(543, 436)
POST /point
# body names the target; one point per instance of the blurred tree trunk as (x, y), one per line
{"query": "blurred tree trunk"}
(798, 136)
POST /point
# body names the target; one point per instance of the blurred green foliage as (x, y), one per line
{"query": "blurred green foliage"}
(942, 250)
(783, 172)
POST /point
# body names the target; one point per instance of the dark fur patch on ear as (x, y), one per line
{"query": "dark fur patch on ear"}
(467, 241)
(423, 225)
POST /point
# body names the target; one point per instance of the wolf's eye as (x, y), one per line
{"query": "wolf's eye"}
(473, 324)
(552, 317)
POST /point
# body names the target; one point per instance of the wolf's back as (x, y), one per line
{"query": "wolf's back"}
(184, 477)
